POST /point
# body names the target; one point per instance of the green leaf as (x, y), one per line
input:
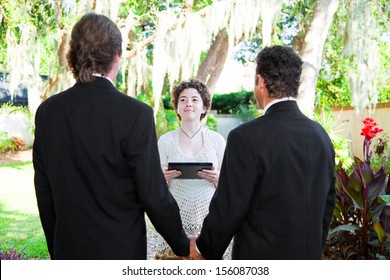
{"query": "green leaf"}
(355, 188)
(375, 186)
(384, 218)
(380, 257)
(385, 198)
(380, 232)
(375, 243)
(366, 173)
(345, 228)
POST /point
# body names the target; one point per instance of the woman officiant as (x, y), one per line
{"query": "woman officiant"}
(191, 142)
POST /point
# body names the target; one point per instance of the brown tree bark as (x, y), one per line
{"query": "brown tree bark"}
(211, 67)
(61, 53)
(188, 4)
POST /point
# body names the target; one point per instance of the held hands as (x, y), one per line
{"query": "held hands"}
(210, 175)
(194, 254)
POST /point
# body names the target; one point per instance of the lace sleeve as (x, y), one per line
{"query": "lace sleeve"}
(219, 145)
(162, 144)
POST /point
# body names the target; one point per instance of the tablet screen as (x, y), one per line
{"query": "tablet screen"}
(189, 170)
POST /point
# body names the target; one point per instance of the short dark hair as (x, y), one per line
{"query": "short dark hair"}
(195, 84)
(95, 40)
(281, 70)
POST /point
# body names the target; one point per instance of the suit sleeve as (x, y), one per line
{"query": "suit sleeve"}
(231, 201)
(42, 188)
(328, 213)
(144, 161)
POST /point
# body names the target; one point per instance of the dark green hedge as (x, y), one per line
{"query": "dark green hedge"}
(229, 103)
(224, 103)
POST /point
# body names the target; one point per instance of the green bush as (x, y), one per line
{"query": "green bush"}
(229, 103)
(172, 119)
(7, 108)
(211, 122)
(10, 143)
(5, 142)
(381, 153)
(341, 144)
(247, 112)
(167, 102)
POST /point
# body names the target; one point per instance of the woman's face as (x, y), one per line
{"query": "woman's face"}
(190, 105)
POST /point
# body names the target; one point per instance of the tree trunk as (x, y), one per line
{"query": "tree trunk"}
(311, 53)
(188, 4)
(53, 81)
(211, 67)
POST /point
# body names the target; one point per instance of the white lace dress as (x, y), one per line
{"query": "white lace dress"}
(192, 195)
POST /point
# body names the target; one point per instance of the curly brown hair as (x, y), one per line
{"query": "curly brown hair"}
(200, 87)
(95, 40)
(281, 70)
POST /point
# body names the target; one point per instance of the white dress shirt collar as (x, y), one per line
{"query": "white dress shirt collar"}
(288, 98)
(100, 75)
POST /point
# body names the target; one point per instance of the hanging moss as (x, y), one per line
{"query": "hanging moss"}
(180, 39)
(361, 45)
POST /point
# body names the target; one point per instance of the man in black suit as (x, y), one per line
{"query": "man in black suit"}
(97, 167)
(276, 188)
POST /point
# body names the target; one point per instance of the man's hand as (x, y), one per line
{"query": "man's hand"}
(194, 254)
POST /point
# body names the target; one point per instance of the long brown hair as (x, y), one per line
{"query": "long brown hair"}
(95, 41)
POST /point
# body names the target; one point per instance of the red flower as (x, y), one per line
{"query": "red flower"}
(370, 129)
(369, 121)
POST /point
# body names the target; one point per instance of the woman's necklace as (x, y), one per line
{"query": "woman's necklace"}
(190, 137)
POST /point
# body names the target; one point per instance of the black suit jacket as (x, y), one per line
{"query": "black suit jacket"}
(97, 171)
(276, 189)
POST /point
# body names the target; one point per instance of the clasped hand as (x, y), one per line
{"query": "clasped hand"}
(194, 254)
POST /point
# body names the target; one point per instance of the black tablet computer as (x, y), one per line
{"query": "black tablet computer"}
(189, 170)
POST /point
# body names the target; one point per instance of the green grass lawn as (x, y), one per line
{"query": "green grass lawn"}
(20, 227)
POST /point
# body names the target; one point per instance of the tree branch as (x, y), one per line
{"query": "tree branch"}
(149, 40)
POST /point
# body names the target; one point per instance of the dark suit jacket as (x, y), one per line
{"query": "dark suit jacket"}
(97, 171)
(276, 189)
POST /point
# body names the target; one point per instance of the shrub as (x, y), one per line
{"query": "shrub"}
(381, 149)
(211, 122)
(360, 227)
(11, 255)
(172, 119)
(229, 103)
(340, 144)
(10, 143)
(247, 112)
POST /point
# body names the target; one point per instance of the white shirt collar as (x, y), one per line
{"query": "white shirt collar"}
(288, 98)
(100, 75)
